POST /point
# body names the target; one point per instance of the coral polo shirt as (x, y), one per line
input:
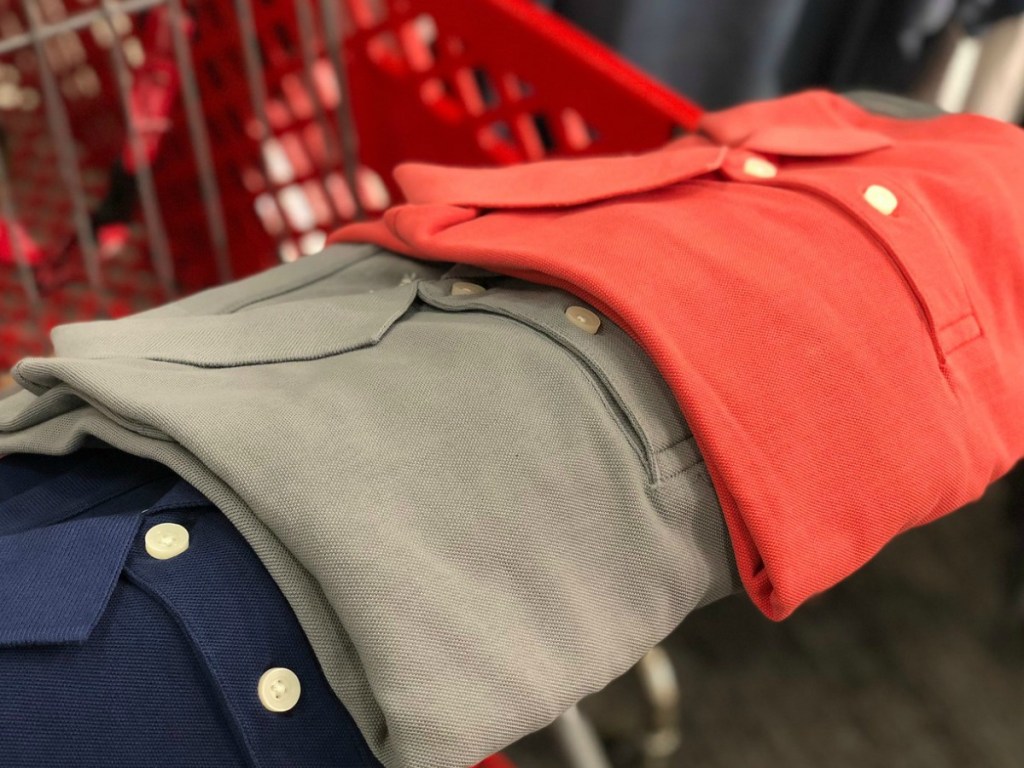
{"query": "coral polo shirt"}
(835, 298)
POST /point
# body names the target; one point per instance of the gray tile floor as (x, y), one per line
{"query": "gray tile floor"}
(912, 662)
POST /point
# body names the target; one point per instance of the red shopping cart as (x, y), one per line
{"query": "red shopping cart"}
(149, 148)
(154, 147)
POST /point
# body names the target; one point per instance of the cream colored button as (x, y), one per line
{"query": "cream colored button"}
(881, 199)
(583, 318)
(166, 540)
(466, 289)
(279, 689)
(759, 168)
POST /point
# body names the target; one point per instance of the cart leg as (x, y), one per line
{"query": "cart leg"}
(662, 740)
(1015, 508)
(579, 741)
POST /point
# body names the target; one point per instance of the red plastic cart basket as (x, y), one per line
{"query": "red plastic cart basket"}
(249, 132)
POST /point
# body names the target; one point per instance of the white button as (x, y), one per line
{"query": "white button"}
(466, 289)
(583, 318)
(279, 689)
(881, 199)
(759, 168)
(166, 540)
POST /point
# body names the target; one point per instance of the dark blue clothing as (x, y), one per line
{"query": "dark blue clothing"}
(110, 657)
(727, 52)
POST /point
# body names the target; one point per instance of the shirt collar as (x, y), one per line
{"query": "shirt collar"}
(809, 124)
(44, 490)
(181, 494)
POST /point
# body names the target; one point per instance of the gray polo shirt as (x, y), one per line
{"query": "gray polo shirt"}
(479, 498)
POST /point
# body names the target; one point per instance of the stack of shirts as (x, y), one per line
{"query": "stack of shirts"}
(592, 396)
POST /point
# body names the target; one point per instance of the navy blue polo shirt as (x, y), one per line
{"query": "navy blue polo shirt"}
(112, 657)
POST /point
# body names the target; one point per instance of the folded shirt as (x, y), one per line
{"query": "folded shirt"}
(835, 297)
(137, 628)
(478, 497)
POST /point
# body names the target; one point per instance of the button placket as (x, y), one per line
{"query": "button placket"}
(901, 227)
(211, 624)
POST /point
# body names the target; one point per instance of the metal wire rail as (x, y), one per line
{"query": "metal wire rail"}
(47, 25)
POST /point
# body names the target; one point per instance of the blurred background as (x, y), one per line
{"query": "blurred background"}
(150, 148)
(963, 55)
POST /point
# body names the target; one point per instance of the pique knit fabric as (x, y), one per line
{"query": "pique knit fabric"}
(835, 298)
(112, 658)
(479, 511)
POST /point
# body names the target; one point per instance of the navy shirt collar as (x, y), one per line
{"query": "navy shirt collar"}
(36, 491)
